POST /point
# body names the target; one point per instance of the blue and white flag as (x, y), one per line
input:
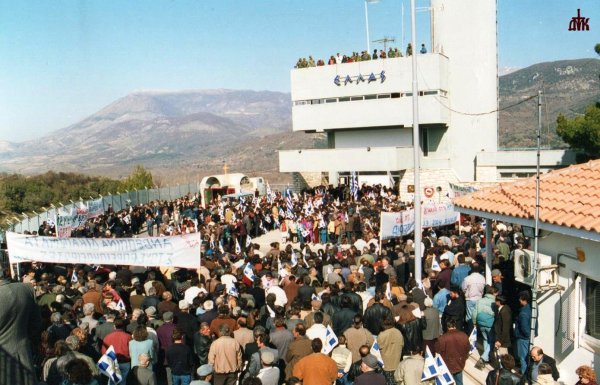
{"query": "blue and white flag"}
(248, 241)
(221, 246)
(435, 266)
(314, 297)
(331, 341)
(429, 369)
(232, 290)
(238, 249)
(269, 193)
(388, 291)
(289, 203)
(121, 305)
(74, 278)
(249, 272)
(354, 186)
(444, 376)
(294, 259)
(473, 340)
(376, 352)
(109, 366)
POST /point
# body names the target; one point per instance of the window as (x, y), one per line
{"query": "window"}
(344, 99)
(369, 97)
(353, 98)
(331, 100)
(592, 308)
(395, 95)
(383, 96)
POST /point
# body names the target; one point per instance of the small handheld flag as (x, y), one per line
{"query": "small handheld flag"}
(377, 352)
(473, 340)
(74, 278)
(109, 366)
(233, 291)
(248, 272)
(331, 341)
(429, 369)
(444, 376)
(314, 297)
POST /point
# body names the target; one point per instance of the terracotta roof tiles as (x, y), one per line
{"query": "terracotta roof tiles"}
(569, 197)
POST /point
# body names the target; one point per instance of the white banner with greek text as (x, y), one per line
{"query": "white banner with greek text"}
(403, 223)
(177, 251)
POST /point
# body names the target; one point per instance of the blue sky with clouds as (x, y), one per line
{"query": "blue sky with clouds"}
(61, 61)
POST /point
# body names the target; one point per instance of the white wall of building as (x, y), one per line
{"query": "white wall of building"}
(397, 137)
(564, 311)
(465, 32)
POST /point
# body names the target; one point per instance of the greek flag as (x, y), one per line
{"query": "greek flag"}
(444, 376)
(109, 366)
(388, 291)
(288, 201)
(121, 305)
(248, 241)
(269, 193)
(331, 341)
(232, 290)
(377, 352)
(314, 297)
(74, 278)
(473, 340)
(354, 186)
(249, 272)
(221, 246)
(435, 266)
(429, 369)
(238, 249)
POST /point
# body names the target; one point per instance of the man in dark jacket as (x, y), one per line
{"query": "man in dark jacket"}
(375, 314)
(537, 358)
(342, 319)
(505, 375)
(523, 330)
(202, 341)
(20, 324)
(454, 348)
(502, 324)
(455, 309)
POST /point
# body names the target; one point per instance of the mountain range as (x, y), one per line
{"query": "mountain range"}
(183, 135)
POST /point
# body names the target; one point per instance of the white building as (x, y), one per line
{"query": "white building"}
(365, 108)
(568, 283)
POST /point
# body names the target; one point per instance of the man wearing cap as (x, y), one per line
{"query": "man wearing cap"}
(316, 368)
(369, 366)
(186, 322)
(204, 373)
(497, 279)
(268, 374)
(165, 338)
(335, 276)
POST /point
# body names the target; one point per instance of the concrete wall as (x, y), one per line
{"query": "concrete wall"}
(429, 178)
(465, 32)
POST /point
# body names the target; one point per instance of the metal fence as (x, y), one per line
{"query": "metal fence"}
(118, 202)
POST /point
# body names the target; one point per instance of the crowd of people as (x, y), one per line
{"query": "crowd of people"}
(358, 56)
(257, 316)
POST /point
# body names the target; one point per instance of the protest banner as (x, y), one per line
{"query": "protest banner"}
(397, 224)
(70, 219)
(458, 191)
(95, 208)
(176, 251)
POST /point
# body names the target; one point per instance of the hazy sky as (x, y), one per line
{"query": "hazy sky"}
(61, 61)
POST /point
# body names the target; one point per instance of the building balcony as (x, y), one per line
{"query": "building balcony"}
(376, 93)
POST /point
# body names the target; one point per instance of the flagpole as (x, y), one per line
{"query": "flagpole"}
(416, 146)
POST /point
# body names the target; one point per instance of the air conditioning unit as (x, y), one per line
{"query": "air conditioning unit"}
(547, 273)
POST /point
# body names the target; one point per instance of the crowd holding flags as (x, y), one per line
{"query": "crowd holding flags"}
(435, 367)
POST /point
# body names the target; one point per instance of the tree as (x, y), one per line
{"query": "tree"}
(582, 133)
(139, 179)
(597, 48)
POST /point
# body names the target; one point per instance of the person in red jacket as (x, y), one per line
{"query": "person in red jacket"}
(454, 348)
(119, 339)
